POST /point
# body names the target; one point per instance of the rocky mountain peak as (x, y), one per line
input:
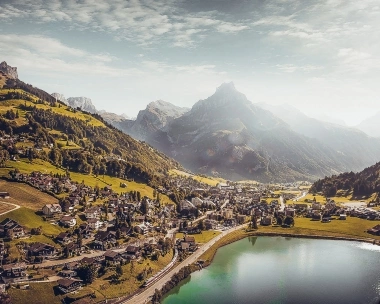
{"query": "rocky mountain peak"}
(83, 103)
(226, 86)
(11, 72)
(59, 97)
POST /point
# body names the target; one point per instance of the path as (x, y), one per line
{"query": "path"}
(149, 291)
(16, 207)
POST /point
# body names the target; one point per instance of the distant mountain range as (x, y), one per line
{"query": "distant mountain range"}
(227, 135)
(371, 125)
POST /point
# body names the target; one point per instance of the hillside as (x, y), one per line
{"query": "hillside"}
(364, 183)
(358, 149)
(228, 136)
(36, 126)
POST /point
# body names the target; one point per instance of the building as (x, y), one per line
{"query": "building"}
(51, 209)
(69, 285)
(11, 229)
(68, 221)
(94, 223)
(14, 272)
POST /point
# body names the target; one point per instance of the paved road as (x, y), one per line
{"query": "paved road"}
(149, 291)
(16, 207)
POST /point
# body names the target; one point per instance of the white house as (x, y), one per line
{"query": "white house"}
(50, 209)
(68, 221)
(92, 213)
(94, 223)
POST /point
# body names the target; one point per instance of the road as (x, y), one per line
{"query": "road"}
(16, 207)
(149, 291)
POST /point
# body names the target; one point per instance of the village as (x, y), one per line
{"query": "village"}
(105, 228)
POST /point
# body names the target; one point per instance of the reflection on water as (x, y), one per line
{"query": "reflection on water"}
(279, 270)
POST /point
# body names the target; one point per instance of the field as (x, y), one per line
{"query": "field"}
(42, 293)
(4, 207)
(26, 196)
(207, 180)
(28, 218)
(203, 237)
(337, 199)
(24, 166)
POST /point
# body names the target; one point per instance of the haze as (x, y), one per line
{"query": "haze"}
(319, 56)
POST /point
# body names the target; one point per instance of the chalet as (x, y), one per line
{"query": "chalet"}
(375, 230)
(10, 228)
(104, 239)
(68, 221)
(85, 230)
(94, 223)
(72, 249)
(189, 239)
(41, 250)
(14, 272)
(63, 238)
(51, 209)
(266, 221)
(240, 219)
(69, 285)
(132, 252)
(92, 213)
(143, 228)
(290, 212)
(210, 224)
(113, 257)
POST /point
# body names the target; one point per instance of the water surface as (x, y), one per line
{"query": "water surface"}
(278, 270)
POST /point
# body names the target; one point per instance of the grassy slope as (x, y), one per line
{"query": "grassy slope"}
(39, 165)
(207, 180)
(26, 196)
(28, 218)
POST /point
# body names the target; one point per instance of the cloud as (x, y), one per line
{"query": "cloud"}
(291, 68)
(141, 21)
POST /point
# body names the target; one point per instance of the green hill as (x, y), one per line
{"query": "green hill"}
(42, 128)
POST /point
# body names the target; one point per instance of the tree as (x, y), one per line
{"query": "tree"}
(289, 221)
(119, 271)
(88, 273)
(201, 225)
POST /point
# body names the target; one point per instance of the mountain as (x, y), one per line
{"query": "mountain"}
(60, 97)
(156, 117)
(73, 139)
(83, 103)
(363, 183)
(371, 125)
(357, 147)
(227, 135)
(9, 71)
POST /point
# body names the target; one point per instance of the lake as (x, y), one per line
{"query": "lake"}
(285, 270)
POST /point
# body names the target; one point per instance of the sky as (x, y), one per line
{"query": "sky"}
(321, 56)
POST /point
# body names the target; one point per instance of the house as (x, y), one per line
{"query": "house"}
(374, 230)
(290, 212)
(266, 221)
(189, 239)
(94, 223)
(10, 228)
(112, 257)
(14, 272)
(132, 252)
(51, 209)
(104, 239)
(143, 228)
(69, 285)
(63, 238)
(72, 249)
(41, 250)
(93, 213)
(68, 221)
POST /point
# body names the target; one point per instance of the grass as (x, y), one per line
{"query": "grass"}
(38, 293)
(338, 199)
(203, 237)
(28, 218)
(129, 282)
(206, 180)
(5, 207)
(24, 166)
(26, 196)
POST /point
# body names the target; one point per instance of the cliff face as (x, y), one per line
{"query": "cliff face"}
(11, 72)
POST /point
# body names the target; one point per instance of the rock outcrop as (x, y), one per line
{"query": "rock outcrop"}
(11, 72)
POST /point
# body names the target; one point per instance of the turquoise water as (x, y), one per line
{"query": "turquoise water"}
(278, 270)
